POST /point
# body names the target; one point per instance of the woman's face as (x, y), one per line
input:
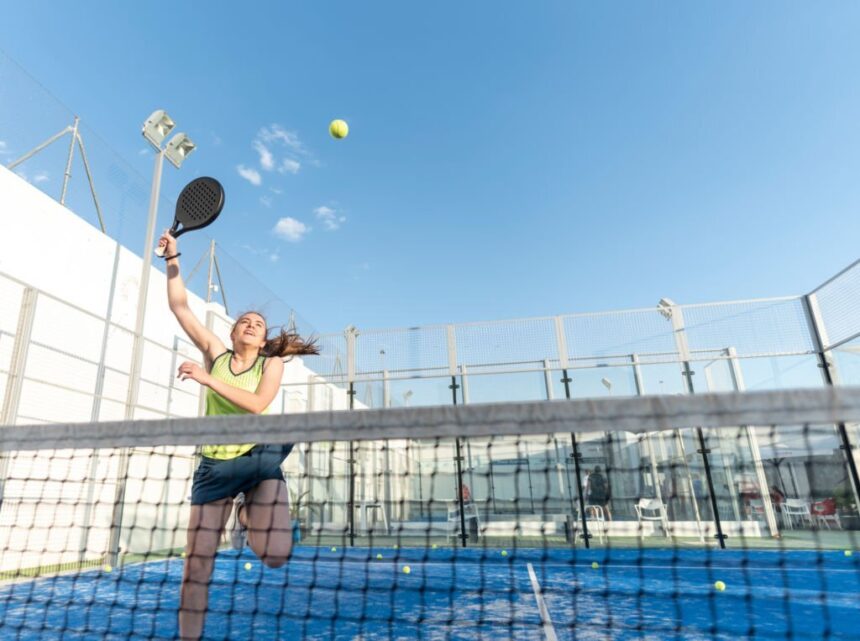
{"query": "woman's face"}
(250, 330)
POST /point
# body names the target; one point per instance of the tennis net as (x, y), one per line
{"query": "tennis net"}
(718, 516)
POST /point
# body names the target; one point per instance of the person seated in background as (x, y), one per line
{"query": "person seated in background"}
(777, 497)
(597, 491)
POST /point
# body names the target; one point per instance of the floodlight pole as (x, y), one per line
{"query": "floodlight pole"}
(136, 358)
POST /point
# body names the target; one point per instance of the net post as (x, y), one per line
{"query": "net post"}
(561, 344)
(676, 317)
(830, 375)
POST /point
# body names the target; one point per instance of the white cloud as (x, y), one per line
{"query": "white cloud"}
(266, 201)
(267, 160)
(331, 220)
(268, 254)
(250, 174)
(41, 177)
(289, 166)
(143, 151)
(275, 190)
(4, 148)
(216, 140)
(276, 133)
(281, 150)
(291, 229)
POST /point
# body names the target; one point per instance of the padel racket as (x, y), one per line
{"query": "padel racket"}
(198, 205)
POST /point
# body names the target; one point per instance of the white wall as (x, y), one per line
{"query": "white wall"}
(51, 498)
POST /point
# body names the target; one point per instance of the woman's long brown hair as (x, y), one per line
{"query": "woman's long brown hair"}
(285, 343)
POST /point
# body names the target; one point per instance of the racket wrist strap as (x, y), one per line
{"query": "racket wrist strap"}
(176, 255)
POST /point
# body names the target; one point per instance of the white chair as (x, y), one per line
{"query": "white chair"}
(470, 511)
(594, 514)
(796, 509)
(651, 510)
(364, 507)
(824, 512)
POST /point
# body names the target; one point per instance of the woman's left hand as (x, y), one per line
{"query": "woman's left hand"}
(191, 370)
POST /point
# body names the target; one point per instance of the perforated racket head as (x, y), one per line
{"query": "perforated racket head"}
(198, 205)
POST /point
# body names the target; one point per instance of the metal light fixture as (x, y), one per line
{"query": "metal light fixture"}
(158, 127)
(665, 307)
(178, 149)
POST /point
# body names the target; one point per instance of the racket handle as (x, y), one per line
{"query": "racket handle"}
(159, 251)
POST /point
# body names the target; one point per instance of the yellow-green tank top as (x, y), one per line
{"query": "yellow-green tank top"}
(217, 405)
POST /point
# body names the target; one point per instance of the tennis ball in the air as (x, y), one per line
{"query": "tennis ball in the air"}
(435, 546)
(334, 549)
(378, 556)
(848, 552)
(395, 546)
(108, 567)
(247, 566)
(504, 553)
(595, 565)
(719, 586)
(406, 569)
(182, 555)
(338, 129)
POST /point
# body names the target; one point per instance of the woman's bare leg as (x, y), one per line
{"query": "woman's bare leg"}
(205, 527)
(266, 514)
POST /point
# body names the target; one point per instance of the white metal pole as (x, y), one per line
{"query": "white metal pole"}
(68, 173)
(137, 353)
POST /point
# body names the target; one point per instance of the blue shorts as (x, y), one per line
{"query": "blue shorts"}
(217, 479)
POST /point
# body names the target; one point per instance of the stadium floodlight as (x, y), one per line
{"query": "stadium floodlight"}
(178, 149)
(158, 127)
(665, 307)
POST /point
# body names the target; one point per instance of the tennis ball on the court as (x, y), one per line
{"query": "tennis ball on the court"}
(848, 552)
(406, 569)
(108, 567)
(247, 566)
(595, 565)
(435, 546)
(338, 129)
(504, 553)
(719, 586)
(334, 549)
(378, 556)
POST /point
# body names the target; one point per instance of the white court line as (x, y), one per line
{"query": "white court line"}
(607, 565)
(548, 628)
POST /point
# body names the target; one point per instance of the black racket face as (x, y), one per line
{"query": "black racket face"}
(199, 203)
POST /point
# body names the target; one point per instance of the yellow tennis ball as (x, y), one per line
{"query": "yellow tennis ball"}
(182, 555)
(719, 586)
(247, 566)
(108, 567)
(504, 553)
(435, 546)
(406, 569)
(395, 546)
(338, 129)
(848, 552)
(595, 565)
(378, 556)
(334, 549)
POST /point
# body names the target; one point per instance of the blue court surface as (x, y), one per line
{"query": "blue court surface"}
(460, 595)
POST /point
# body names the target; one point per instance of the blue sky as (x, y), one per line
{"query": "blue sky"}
(504, 159)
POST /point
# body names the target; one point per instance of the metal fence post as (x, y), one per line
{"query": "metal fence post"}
(830, 375)
(17, 367)
(351, 333)
(677, 318)
(561, 343)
